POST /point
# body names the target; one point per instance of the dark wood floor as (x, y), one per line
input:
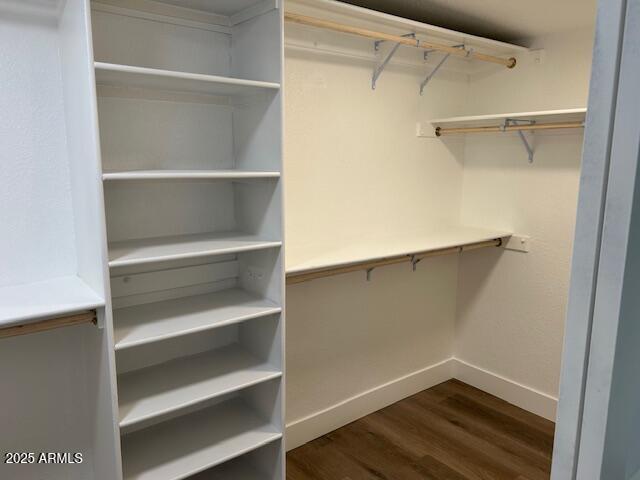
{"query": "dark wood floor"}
(449, 432)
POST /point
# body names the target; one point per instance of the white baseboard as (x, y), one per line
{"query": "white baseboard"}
(519, 395)
(324, 421)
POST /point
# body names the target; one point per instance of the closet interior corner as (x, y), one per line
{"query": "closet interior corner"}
(432, 177)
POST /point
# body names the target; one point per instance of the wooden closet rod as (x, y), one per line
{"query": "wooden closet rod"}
(339, 27)
(299, 277)
(511, 128)
(65, 321)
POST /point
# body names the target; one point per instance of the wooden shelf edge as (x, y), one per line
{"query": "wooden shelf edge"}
(89, 316)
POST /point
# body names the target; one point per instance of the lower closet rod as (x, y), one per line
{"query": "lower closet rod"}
(300, 277)
(49, 324)
(510, 128)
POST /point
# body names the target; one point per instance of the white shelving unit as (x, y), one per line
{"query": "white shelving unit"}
(190, 108)
(54, 257)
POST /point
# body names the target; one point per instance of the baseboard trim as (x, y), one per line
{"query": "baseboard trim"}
(513, 392)
(324, 421)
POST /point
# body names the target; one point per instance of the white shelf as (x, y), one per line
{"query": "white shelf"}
(167, 80)
(544, 116)
(180, 383)
(148, 250)
(352, 251)
(154, 322)
(188, 175)
(236, 469)
(366, 18)
(190, 444)
(48, 298)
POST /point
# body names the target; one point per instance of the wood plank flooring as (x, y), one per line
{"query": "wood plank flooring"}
(449, 432)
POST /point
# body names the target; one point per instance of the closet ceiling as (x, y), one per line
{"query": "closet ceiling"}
(497, 19)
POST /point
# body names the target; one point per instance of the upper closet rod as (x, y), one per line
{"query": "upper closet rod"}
(455, 51)
(489, 129)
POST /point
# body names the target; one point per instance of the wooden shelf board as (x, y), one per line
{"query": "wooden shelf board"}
(157, 249)
(188, 174)
(150, 78)
(187, 445)
(543, 116)
(31, 302)
(355, 251)
(186, 381)
(154, 322)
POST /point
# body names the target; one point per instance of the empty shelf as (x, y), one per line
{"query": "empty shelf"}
(47, 298)
(171, 386)
(150, 78)
(153, 322)
(192, 443)
(148, 250)
(236, 469)
(188, 174)
(354, 251)
(544, 116)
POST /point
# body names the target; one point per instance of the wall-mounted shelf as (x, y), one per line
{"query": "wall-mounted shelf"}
(149, 250)
(362, 17)
(191, 443)
(565, 116)
(188, 175)
(20, 304)
(113, 75)
(183, 382)
(510, 122)
(148, 323)
(308, 264)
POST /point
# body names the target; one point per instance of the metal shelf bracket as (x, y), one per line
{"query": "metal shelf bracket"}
(377, 71)
(437, 67)
(525, 142)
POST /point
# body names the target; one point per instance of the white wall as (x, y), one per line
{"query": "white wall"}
(354, 167)
(511, 306)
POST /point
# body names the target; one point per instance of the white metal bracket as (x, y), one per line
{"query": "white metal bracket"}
(369, 270)
(525, 142)
(437, 67)
(414, 262)
(377, 71)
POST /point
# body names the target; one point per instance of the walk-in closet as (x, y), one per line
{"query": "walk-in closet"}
(437, 196)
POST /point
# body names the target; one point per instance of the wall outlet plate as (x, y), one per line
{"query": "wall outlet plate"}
(517, 243)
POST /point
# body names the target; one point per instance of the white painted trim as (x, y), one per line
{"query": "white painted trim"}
(508, 390)
(305, 429)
